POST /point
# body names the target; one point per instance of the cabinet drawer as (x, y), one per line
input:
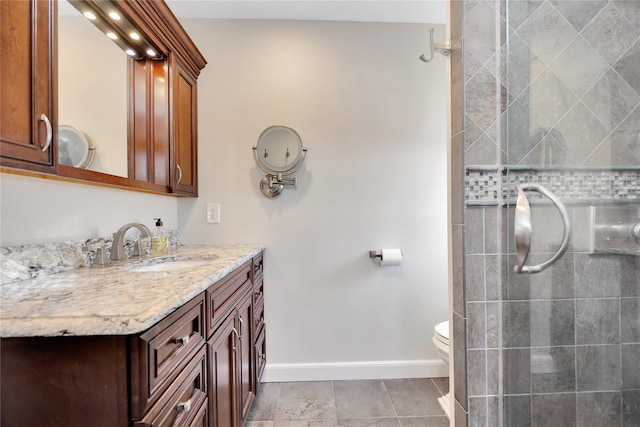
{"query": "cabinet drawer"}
(159, 354)
(223, 295)
(258, 267)
(258, 319)
(202, 417)
(182, 404)
(258, 293)
(260, 355)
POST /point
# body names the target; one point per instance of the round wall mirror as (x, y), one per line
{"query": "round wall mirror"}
(74, 148)
(279, 150)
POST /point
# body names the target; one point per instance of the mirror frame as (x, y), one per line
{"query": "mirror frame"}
(266, 166)
(150, 148)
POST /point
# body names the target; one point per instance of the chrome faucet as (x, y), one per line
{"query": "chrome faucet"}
(117, 249)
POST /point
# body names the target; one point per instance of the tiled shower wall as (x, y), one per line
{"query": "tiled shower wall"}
(564, 90)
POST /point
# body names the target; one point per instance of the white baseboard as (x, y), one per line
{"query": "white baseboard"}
(385, 369)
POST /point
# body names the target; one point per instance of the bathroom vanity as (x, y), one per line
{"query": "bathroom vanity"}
(135, 344)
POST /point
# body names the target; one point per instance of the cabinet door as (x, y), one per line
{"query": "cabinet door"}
(184, 133)
(245, 359)
(223, 350)
(148, 126)
(27, 115)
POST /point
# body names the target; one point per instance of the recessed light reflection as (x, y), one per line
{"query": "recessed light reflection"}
(130, 52)
(151, 52)
(134, 36)
(114, 16)
(112, 36)
(90, 16)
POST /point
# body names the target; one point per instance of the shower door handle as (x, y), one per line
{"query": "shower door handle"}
(522, 228)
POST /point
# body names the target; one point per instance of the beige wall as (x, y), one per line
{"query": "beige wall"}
(374, 119)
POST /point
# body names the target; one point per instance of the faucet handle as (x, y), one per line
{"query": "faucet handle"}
(101, 258)
(141, 246)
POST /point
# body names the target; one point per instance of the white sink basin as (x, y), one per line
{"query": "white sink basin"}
(173, 265)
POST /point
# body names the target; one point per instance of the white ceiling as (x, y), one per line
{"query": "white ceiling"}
(412, 11)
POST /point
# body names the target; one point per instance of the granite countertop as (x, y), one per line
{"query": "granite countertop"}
(112, 300)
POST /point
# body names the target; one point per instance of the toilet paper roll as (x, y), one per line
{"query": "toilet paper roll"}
(390, 257)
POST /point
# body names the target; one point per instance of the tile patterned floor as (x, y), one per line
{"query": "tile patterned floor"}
(358, 403)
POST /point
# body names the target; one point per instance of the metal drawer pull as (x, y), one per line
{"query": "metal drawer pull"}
(241, 327)
(179, 174)
(184, 406)
(522, 228)
(235, 332)
(47, 123)
(182, 340)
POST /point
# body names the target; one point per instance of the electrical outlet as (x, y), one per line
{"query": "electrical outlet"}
(213, 213)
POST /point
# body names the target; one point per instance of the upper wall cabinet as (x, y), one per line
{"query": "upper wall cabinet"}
(160, 103)
(27, 116)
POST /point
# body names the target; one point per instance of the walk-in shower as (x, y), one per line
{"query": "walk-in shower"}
(550, 97)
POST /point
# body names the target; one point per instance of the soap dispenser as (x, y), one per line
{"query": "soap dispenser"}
(159, 239)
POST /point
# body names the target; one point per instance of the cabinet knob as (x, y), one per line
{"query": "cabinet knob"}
(182, 340)
(184, 406)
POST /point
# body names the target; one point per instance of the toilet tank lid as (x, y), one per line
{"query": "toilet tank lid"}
(442, 329)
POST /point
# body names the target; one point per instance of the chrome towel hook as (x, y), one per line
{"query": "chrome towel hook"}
(522, 228)
(442, 47)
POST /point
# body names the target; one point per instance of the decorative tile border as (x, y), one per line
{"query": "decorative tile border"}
(496, 185)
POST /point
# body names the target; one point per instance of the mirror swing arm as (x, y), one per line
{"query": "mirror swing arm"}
(278, 142)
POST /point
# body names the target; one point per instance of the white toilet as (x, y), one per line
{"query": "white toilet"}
(441, 341)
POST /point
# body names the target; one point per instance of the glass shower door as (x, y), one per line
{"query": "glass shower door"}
(571, 331)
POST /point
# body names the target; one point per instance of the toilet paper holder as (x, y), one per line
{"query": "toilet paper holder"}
(387, 257)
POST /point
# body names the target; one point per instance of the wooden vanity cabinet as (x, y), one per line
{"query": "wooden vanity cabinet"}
(27, 114)
(232, 348)
(199, 366)
(259, 327)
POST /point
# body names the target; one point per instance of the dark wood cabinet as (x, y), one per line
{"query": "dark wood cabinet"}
(246, 367)
(162, 139)
(27, 114)
(232, 349)
(178, 372)
(185, 131)
(223, 349)
(188, 404)
(158, 355)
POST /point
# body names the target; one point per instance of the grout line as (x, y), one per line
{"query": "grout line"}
(384, 386)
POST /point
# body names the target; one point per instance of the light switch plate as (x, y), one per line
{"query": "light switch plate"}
(213, 213)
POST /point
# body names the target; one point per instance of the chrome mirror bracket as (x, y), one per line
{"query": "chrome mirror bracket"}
(272, 153)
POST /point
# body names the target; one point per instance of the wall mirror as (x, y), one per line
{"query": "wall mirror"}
(279, 153)
(92, 91)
